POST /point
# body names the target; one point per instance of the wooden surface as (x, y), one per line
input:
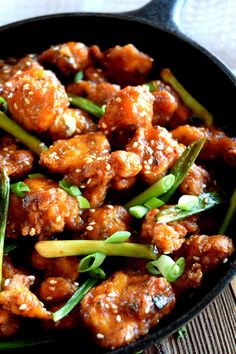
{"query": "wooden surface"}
(212, 332)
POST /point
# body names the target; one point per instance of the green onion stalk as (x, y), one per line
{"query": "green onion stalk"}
(86, 105)
(229, 214)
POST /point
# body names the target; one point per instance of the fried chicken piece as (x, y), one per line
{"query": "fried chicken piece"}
(130, 110)
(44, 211)
(102, 222)
(167, 237)
(196, 181)
(35, 98)
(71, 122)
(8, 268)
(217, 145)
(126, 65)
(9, 323)
(55, 289)
(125, 307)
(17, 161)
(100, 93)
(68, 57)
(157, 151)
(18, 299)
(202, 253)
(65, 267)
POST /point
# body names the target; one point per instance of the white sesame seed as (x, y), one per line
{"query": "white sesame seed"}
(7, 282)
(78, 170)
(82, 186)
(30, 93)
(107, 306)
(135, 144)
(113, 128)
(22, 307)
(103, 125)
(89, 228)
(225, 260)
(89, 180)
(106, 132)
(92, 210)
(15, 106)
(27, 101)
(27, 162)
(52, 288)
(114, 307)
(150, 161)
(109, 206)
(100, 335)
(92, 223)
(32, 231)
(52, 281)
(196, 258)
(58, 218)
(76, 284)
(49, 298)
(108, 167)
(118, 318)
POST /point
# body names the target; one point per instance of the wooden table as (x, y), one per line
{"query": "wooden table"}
(212, 332)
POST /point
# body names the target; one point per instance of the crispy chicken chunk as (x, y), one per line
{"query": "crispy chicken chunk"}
(125, 307)
(55, 289)
(17, 298)
(217, 145)
(17, 161)
(126, 65)
(43, 211)
(9, 323)
(196, 181)
(201, 253)
(35, 98)
(68, 57)
(70, 123)
(167, 237)
(100, 93)
(65, 267)
(102, 222)
(157, 151)
(130, 110)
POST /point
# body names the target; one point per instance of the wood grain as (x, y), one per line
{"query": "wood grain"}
(212, 332)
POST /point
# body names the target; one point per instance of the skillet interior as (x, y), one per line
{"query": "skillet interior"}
(204, 76)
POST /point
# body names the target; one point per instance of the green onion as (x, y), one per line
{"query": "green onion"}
(62, 248)
(83, 202)
(91, 262)
(9, 248)
(104, 106)
(19, 133)
(188, 100)
(4, 104)
(79, 76)
(160, 187)
(153, 203)
(167, 267)
(86, 105)
(97, 273)
(26, 342)
(188, 202)
(69, 188)
(19, 189)
(205, 202)
(183, 165)
(181, 333)
(36, 175)
(118, 236)
(4, 202)
(138, 211)
(74, 300)
(153, 85)
(229, 214)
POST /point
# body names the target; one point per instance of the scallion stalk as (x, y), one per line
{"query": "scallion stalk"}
(4, 104)
(118, 236)
(138, 211)
(79, 76)
(91, 262)
(97, 273)
(167, 267)
(19, 189)
(229, 214)
(153, 203)
(188, 202)
(86, 105)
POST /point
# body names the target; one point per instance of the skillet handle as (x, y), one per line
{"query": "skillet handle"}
(161, 13)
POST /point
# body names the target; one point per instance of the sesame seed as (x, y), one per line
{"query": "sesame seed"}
(22, 307)
(118, 99)
(92, 210)
(108, 167)
(7, 282)
(106, 132)
(15, 106)
(24, 231)
(118, 318)
(89, 180)
(9, 84)
(52, 281)
(32, 231)
(49, 298)
(103, 125)
(58, 218)
(114, 307)
(113, 128)
(78, 170)
(89, 160)
(30, 93)
(196, 258)
(27, 162)
(109, 206)
(152, 142)
(135, 144)
(27, 101)
(107, 306)
(150, 161)
(89, 228)
(225, 260)
(82, 186)
(76, 284)
(100, 336)
(52, 288)
(92, 223)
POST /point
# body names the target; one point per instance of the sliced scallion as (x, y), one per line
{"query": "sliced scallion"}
(4, 104)
(229, 214)
(69, 188)
(118, 236)
(188, 202)
(9, 248)
(86, 105)
(153, 203)
(97, 273)
(181, 333)
(36, 175)
(74, 300)
(167, 267)
(91, 262)
(79, 76)
(83, 202)
(138, 211)
(19, 189)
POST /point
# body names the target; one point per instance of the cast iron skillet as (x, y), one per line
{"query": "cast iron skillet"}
(152, 30)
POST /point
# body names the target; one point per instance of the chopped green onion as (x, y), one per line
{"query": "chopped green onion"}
(83, 202)
(158, 188)
(205, 202)
(229, 214)
(36, 175)
(91, 262)
(167, 267)
(138, 211)
(26, 342)
(153, 203)
(4, 104)
(188, 202)
(9, 248)
(19, 133)
(69, 188)
(4, 202)
(97, 273)
(63, 248)
(104, 106)
(19, 189)
(181, 333)
(118, 236)
(183, 165)
(188, 100)
(79, 76)
(74, 300)
(153, 85)
(86, 105)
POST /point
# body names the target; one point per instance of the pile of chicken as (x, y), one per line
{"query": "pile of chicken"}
(139, 138)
